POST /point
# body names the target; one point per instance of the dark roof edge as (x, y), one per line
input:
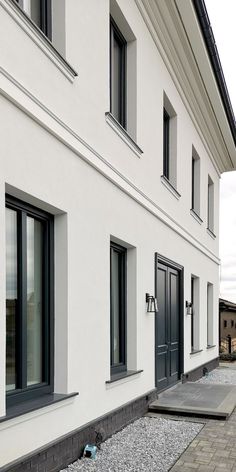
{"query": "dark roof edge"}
(204, 22)
(227, 304)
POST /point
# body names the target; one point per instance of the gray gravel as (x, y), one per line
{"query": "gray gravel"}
(225, 374)
(148, 444)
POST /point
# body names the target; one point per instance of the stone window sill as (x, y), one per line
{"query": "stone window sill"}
(39, 38)
(210, 346)
(192, 353)
(123, 375)
(124, 135)
(170, 187)
(196, 216)
(210, 232)
(29, 406)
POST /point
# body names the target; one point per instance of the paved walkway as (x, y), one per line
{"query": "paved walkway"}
(214, 449)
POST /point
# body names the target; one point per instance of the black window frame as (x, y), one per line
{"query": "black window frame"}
(166, 144)
(22, 391)
(121, 41)
(45, 17)
(193, 183)
(192, 315)
(210, 205)
(122, 366)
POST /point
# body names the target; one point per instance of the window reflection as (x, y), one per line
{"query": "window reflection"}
(11, 297)
(34, 301)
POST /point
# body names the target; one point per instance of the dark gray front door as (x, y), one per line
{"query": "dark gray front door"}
(167, 325)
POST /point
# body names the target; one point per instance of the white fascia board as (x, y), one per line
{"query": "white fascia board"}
(193, 31)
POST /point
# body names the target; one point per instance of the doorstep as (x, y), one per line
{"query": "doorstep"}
(196, 399)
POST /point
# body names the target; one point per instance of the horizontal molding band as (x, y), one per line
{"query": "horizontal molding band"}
(16, 93)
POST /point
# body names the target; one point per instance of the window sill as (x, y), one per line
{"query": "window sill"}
(123, 375)
(210, 346)
(210, 232)
(39, 38)
(32, 405)
(196, 216)
(170, 187)
(197, 351)
(124, 135)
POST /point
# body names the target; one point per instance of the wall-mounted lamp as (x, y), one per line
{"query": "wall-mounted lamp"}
(189, 307)
(151, 304)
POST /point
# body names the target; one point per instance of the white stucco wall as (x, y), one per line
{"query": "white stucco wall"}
(66, 158)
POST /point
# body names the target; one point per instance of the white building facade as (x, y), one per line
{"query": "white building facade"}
(115, 128)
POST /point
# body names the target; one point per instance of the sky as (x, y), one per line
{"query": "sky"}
(222, 14)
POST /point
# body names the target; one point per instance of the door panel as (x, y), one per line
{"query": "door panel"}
(167, 326)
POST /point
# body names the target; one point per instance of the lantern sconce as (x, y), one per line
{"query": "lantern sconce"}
(189, 308)
(151, 301)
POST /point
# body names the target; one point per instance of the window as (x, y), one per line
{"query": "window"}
(210, 210)
(169, 143)
(232, 323)
(192, 319)
(210, 319)
(166, 144)
(118, 307)
(40, 13)
(195, 313)
(29, 301)
(195, 200)
(225, 323)
(118, 48)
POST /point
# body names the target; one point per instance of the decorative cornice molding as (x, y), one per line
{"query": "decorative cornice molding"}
(38, 37)
(185, 75)
(29, 104)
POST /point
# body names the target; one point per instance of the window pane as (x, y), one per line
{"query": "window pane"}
(36, 12)
(192, 316)
(115, 309)
(34, 301)
(210, 215)
(116, 80)
(11, 297)
(210, 319)
(166, 138)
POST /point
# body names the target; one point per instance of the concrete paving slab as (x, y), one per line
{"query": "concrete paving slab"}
(227, 365)
(209, 400)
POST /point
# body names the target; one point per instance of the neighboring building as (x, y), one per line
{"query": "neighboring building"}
(227, 311)
(111, 184)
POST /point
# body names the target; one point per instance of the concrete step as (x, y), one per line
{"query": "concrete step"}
(197, 399)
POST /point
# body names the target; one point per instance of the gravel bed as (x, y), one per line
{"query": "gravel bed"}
(148, 444)
(221, 375)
